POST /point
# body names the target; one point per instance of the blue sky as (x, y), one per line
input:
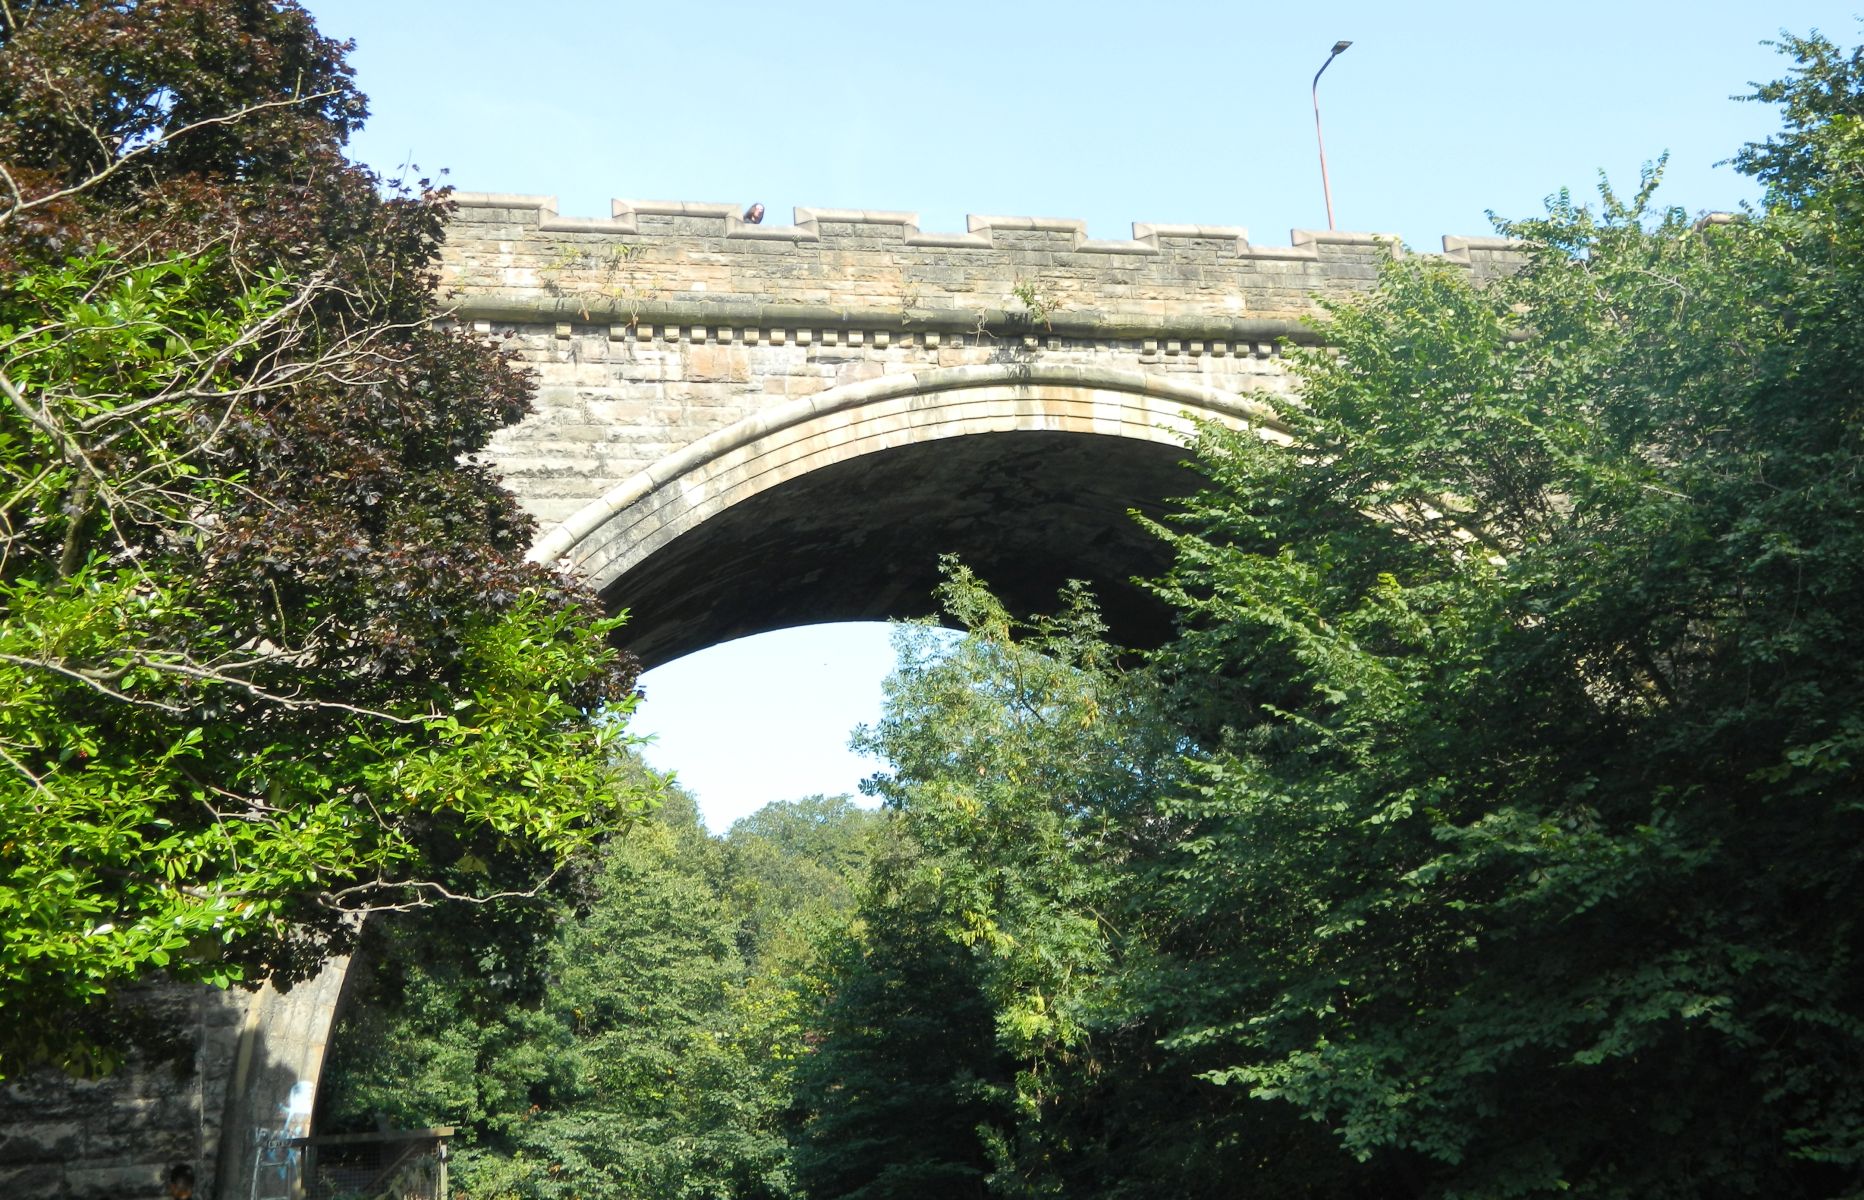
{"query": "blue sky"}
(1168, 112)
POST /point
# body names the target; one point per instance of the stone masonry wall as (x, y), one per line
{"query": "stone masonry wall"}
(117, 1136)
(514, 257)
(614, 401)
(669, 321)
(239, 1086)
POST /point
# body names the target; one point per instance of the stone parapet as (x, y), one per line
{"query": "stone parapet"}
(513, 258)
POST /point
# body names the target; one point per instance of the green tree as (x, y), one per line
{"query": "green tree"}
(1020, 758)
(625, 1070)
(1035, 775)
(1515, 849)
(798, 865)
(793, 873)
(271, 654)
(1528, 857)
(905, 1083)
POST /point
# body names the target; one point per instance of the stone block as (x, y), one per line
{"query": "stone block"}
(618, 412)
(710, 363)
(41, 1181)
(115, 1182)
(117, 1143)
(41, 1141)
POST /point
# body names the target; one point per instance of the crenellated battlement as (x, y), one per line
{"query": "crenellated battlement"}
(514, 258)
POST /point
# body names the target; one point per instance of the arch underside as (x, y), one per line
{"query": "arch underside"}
(839, 508)
(860, 540)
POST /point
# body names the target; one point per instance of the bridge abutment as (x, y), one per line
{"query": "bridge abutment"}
(229, 1080)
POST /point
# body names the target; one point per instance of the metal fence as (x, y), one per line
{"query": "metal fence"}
(402, 1164)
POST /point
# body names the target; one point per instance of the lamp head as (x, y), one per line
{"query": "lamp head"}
(1338, 47)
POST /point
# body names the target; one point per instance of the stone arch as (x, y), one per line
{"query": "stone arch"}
(623, 533)
(1094, 440)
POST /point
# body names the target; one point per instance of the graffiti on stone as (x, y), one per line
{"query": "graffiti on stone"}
(276, 1162)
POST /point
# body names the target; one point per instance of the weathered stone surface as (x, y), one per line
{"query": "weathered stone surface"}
(515, 257)
(41, 1141)
(70, 1139)
(39, 1180)
(140, 1179)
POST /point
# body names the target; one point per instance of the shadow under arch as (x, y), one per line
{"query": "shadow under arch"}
(836, 507)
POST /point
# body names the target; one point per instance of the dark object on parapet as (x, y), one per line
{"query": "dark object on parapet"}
(754, 215)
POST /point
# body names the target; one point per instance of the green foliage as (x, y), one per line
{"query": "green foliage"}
(905, 1084)
(1492, 827)
(1039, 303)
(793, 873)
(798, 865)
(642, 1037)
(1031, 771)
(1024, 766)
(271, 654)
(1503, 826)
(624, 1073)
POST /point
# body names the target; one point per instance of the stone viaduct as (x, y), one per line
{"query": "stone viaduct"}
(744, 427)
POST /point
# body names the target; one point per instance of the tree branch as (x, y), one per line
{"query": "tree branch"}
(21, 204)
(437, 893)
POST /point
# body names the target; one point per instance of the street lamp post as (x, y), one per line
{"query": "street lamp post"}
(1325, 188)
